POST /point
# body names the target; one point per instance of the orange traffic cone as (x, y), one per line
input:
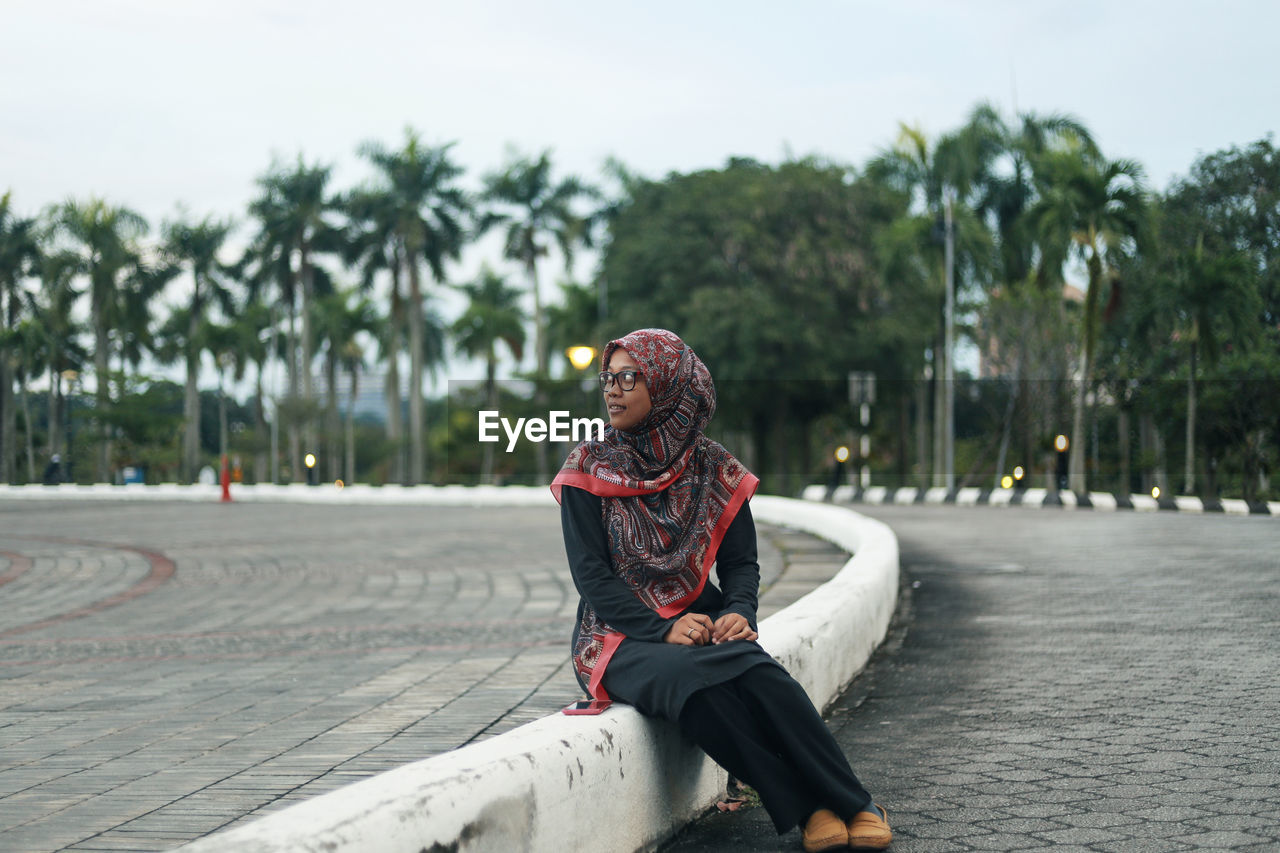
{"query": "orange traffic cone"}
(226, 480)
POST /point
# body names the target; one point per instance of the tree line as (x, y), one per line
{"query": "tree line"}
(784, 277)
(1102, 310)
(304, 291)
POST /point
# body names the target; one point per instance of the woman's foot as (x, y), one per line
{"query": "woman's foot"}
(825, 831)
(869, 830)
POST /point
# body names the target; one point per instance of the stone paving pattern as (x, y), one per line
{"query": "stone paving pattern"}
(168, 670)
(1061, 681)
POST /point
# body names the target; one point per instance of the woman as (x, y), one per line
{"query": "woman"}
(646, 512)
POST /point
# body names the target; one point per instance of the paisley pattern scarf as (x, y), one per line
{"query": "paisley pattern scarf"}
(669, 492)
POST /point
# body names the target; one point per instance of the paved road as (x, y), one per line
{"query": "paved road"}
(167, 670)
(1067, 681)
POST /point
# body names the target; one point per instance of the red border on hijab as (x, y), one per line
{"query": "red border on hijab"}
(601, 488)
(611, 642)
(745, 490)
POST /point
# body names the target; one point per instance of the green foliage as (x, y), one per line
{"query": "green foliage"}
(1240, 407)
(148, 420)
(533, 209)
(492, 316)
(770, 273)
(784, 277)
(1196, 309)
(1237, 194)
(774, 275)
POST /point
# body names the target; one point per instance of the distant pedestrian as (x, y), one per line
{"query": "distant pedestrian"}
(645, 513)
(53, 471)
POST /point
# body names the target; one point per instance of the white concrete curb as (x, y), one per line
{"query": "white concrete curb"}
(826, 637)
(617, 781)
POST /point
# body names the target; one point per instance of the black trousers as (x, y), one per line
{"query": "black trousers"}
(763, 729)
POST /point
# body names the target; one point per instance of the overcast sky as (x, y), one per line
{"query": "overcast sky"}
(149, 103)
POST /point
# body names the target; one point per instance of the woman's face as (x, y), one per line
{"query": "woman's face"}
(626, 408)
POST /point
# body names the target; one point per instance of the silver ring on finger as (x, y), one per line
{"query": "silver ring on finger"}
(690, 633)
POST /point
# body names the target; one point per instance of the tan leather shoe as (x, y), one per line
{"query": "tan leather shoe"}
(869, 831)
(825, 831)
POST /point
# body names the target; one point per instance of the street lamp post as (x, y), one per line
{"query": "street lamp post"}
(275, 403)
(948, 388)
(70, 376)
(1062, 446)
(862, 394)
(837, 472)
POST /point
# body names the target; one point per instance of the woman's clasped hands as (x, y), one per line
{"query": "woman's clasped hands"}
(698, 629)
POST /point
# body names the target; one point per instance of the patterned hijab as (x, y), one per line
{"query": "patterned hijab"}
(669, 492)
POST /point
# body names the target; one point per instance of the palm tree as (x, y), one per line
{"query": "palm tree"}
(374, 246)
(931, 174)
(352, 359)
(492, 315)
(222, 341)
(1007, 187)
(1094, 209)
(196, 246)
(30, 344)
(341, 317)
(294, 211)
(19, 258)
(105, 237)
(427, 209)
(576, 319)
(534, 210)
(266, 272)
(186, 336)
(51, 342)
(249, 324)
(1006, 194)
(1215, 301)
(143, 282)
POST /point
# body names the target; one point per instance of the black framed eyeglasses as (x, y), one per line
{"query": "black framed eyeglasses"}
(626, 379)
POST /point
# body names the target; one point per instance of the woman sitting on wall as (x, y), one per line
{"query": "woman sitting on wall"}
(646, 512)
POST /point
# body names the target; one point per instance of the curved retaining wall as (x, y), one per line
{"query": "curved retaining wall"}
(613, 782)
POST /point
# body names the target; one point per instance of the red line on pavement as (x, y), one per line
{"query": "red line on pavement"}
(17, 565)
(267, 655)
(161, 570)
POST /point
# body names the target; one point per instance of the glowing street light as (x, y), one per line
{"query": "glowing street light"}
(1155, 492)
(1019, 473)
(1006, 482)
(581, 357)
(842, 454)
(310, 461)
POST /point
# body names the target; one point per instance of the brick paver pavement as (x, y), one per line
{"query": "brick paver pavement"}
(1067, 681)
(167, 670)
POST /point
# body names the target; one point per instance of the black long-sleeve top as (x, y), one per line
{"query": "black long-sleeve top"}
(587, 547)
